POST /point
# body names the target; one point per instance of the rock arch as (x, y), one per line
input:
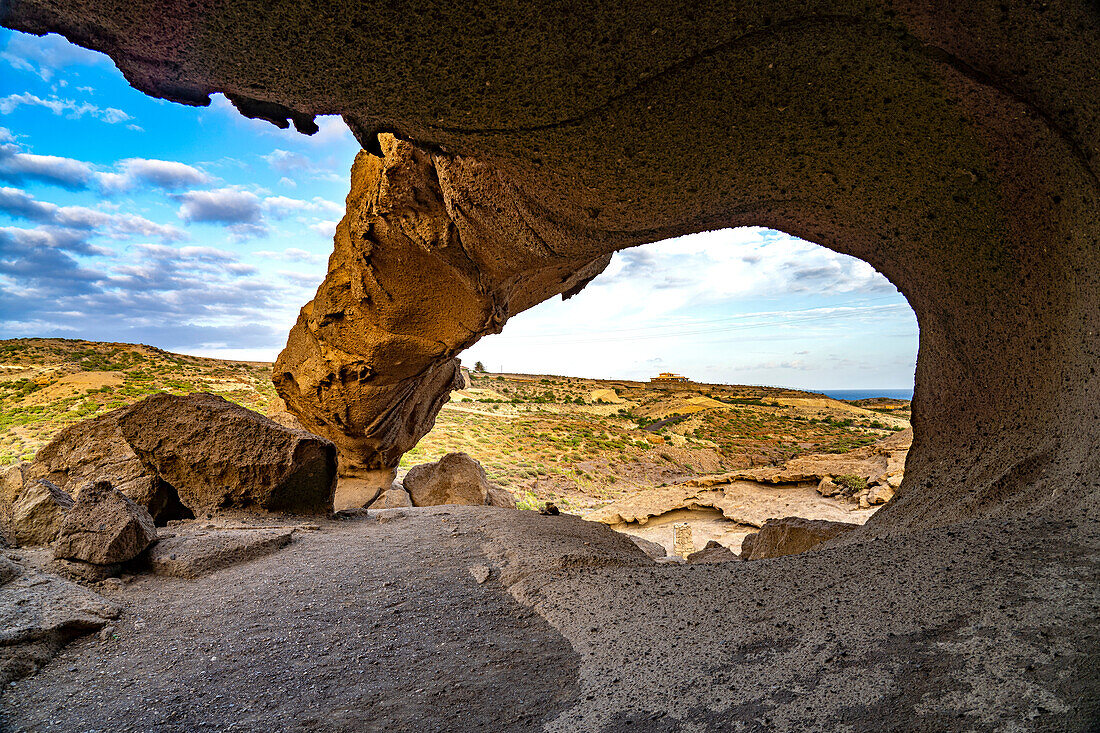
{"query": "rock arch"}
(955, 149)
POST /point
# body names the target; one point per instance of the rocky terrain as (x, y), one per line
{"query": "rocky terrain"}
(485, 619)
(587, 446)
(508, 151)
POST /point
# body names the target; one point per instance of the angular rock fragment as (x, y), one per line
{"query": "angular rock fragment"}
(8, 570)
(714, 552)
(879, 494)
(653, 549)
(456, 478)
(395, 498)
(96, 450)
(40, 613)
(219, 455)
(192, 555)
(104, 527)
(789, 536)
(37, 513)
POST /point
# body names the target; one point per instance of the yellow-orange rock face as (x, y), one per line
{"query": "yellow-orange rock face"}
(416, 276)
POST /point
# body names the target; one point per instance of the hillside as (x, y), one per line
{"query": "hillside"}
(581, 443)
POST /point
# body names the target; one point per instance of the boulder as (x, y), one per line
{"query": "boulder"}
(218, 455)
(194, 554)
(501, 497)
(104, 527)
(654, 549)
(37, 513)
(11, 486)
(879, 494)
(39, 614)
(96, 450)
(714, 552)
(456, 478)
(827, 487)
(789, 536)
(394, 498)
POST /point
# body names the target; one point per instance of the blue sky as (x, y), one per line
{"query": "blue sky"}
(126, 218)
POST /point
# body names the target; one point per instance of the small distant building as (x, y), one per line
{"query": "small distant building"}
(669, 378)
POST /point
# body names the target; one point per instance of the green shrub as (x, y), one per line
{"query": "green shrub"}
(851, 482)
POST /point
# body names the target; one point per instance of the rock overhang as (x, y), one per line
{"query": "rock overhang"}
(952, 148)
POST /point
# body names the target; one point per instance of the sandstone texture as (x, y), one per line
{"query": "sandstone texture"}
(742, 502)
(37, 514)
(456, 478)
(104, 527)
(790, 536)
(196, 553)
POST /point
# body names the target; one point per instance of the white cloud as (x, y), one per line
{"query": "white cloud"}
(282, 206)
(170, 175)
(19, 204)
(17, 166)
(46, 55)
(238, 210)
(68, 107)
(291, 254)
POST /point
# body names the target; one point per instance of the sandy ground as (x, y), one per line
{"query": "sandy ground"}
(370, 626)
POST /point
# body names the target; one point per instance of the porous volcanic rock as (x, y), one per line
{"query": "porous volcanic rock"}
(192, 554)
(371, 360)
(39, 614)
(104, 527)
(654, 549)
(790, 536)
(8, 570)
(393, 498)
(456, 478)
(714, 552)
(953, 147)
(37, 513)
(219, 455)
(96, 450)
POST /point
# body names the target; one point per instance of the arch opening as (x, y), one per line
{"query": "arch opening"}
(776, 337)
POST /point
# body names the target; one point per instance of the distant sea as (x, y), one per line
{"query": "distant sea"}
(863, 394)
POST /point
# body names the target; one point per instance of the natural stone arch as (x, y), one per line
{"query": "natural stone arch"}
(953, 149)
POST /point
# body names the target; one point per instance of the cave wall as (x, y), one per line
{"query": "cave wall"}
(952, 147)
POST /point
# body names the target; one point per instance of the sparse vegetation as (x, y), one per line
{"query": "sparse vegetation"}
(543, 438)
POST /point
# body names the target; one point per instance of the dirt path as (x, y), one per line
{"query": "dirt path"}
(360, 627)
(369, 626)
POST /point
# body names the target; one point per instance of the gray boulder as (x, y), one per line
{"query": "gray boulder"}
(456, 478)
(219, 455)
(195, 554)
(104, 527)
(790, 536)
(36, 515)
(39, 614)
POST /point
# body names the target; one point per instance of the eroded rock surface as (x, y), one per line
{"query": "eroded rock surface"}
(178, 456)
(39, 614)
(37, 514)
(790, 536)
(456, 478)
(416, 276)
(954, 148)
(96, 450)
(219, 455)
(195, 553)
(104, 527)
